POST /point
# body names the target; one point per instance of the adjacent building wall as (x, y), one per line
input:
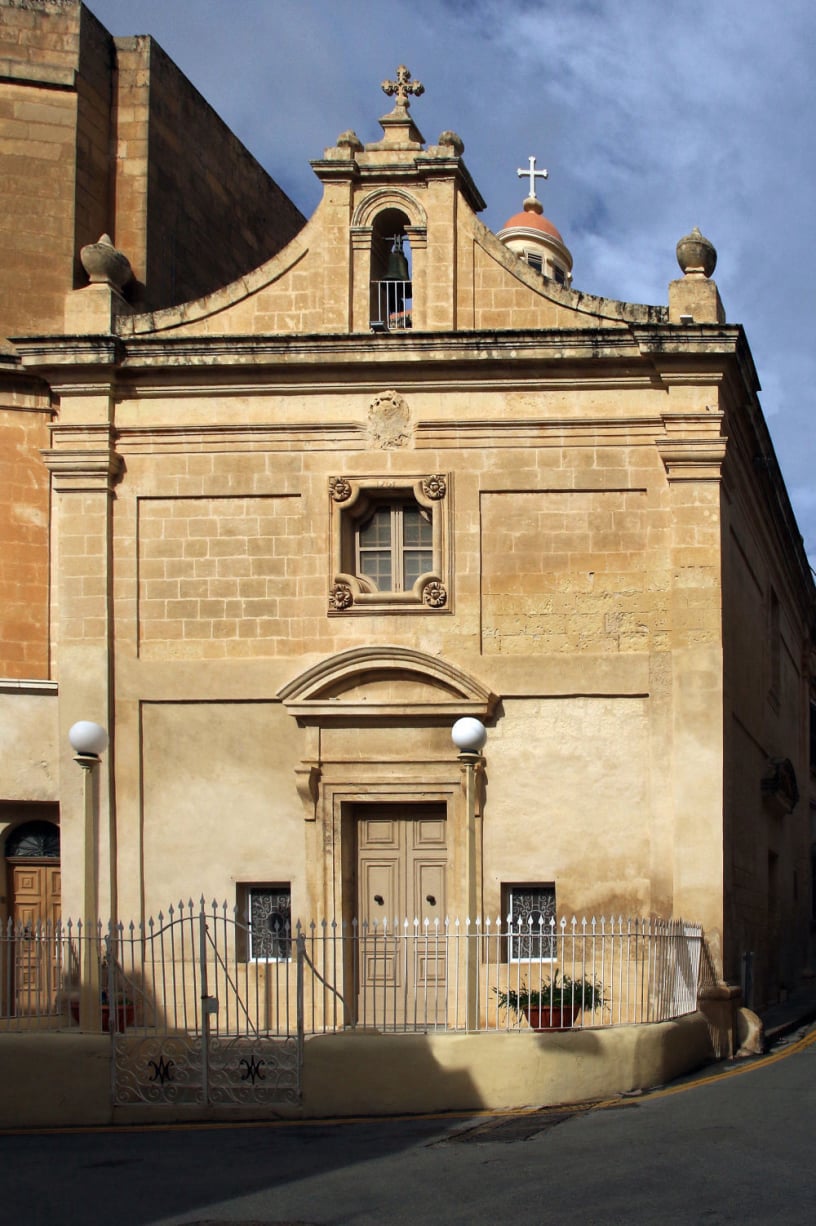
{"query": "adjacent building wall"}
(107, 135)
(99, 135)
(767, 866)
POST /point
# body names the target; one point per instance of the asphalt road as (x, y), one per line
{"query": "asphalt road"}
(735, 1147)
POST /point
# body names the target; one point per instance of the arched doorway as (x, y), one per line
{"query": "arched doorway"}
(32, 856)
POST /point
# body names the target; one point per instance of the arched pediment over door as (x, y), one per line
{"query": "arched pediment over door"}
(394, 684)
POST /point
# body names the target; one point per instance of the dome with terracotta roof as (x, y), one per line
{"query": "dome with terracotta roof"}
(531, 221)
(534, 238)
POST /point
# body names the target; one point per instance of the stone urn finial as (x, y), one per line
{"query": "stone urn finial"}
(105, 265)
(453, 141)
(696, 255)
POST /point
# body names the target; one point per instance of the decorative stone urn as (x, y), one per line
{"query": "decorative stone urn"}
(696, 255)
(105, 265)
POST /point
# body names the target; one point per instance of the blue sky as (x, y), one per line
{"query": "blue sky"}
(651, 117)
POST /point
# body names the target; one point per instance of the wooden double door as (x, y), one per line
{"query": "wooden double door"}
(402, 865)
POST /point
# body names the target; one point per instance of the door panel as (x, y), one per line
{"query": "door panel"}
(401, 875)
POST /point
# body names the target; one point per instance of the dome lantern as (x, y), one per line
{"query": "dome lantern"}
(534, 238)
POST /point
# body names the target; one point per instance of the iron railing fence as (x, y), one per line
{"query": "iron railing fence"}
(192, 969)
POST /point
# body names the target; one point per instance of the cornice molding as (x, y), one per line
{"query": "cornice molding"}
(317, 437)
(44, 76)
(692, 459)
(45, 352)
(83, 469)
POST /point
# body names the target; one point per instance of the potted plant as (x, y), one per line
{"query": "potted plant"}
(123, 1013)
(554, 1004)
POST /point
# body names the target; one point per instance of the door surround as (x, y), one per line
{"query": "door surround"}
(332, 839)
(377, 730)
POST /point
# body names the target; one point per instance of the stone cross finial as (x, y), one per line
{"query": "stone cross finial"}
(402, 87)
(533, 175)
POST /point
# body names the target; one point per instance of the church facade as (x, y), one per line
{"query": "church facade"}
(399, 474)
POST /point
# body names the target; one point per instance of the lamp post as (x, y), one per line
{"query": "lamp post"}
(469, 735)
(89, 740)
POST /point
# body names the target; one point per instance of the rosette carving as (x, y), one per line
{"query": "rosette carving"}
(435, 486)
(340, 597)
(339, 488)
(435, 594)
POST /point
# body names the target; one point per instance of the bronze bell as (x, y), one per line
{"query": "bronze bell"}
(397, 267)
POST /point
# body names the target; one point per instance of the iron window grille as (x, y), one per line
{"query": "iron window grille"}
(270, 923)
(530, 911)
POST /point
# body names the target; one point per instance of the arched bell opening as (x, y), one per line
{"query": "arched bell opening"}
(391, 274)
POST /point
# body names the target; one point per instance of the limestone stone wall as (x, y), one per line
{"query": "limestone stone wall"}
(107, 135)
(24, 553)
(185, 185)
(571, 571)
(40, 51)
(578, 573)
(767, 868)
(97, 135)
(215, 573)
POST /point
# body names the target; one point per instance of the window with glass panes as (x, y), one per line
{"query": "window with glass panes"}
(395, 546)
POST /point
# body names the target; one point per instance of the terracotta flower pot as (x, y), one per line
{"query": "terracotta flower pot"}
(546, 1017)
(124, 1015)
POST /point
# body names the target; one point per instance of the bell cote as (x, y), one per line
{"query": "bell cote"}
(403, 198)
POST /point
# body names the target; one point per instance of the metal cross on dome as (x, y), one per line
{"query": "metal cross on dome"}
(533, 174)
(402, 87)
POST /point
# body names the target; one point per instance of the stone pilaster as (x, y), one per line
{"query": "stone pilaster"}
(84, 469)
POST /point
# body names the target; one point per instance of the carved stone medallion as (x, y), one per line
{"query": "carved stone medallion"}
(435, 594)
(339, 488)
(435, 487)
(340, 596)
(388, 418)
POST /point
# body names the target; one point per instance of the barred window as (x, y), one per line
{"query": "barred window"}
(530, 911)
(269, 916)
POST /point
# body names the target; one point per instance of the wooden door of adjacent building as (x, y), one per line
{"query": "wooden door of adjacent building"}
(35, 909)
(402, 863)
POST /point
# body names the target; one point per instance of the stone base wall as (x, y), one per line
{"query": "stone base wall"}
(59, 1080)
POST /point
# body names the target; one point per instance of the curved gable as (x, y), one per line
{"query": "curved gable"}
(376, 683)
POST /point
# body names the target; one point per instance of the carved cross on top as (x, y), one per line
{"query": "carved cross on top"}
(402, 87)
(533, 174)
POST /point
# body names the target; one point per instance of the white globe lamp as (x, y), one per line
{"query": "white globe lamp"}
(87, 738)
(468, 734)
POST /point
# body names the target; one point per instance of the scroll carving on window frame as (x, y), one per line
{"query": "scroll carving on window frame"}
(390, 544)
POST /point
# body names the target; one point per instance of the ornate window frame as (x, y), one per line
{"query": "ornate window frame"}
(352, 498)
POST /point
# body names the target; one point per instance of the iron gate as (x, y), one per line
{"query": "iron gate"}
(195, 1021)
